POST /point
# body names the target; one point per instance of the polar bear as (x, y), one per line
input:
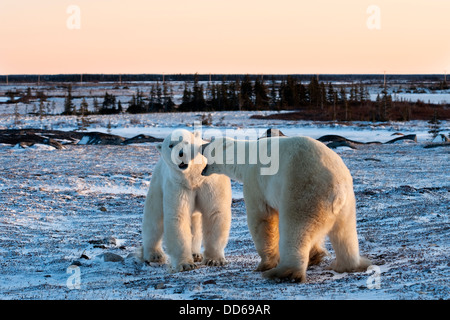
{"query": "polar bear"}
(181, 203)
(307, 195)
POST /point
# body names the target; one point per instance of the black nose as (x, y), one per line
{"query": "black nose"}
(181, 153)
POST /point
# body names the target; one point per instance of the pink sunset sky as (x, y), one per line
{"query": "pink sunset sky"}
(224, 36)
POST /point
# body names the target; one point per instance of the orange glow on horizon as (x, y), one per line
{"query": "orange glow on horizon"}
(205, 36)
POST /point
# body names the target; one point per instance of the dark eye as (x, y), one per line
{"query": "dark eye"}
(171, 146)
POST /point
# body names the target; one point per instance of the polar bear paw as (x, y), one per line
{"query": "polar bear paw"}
(267, 265)
(285, 274)
(198, 257)
(156, 256)
(214, 262)
(185, 266)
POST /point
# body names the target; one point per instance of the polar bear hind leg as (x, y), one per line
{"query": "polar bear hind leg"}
(301, 219)
(344, 239)
(317, 253)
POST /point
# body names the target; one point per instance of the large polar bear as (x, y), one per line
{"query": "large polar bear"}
(305, 194)
(181, 203)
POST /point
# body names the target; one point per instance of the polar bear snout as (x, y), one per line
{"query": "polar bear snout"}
(183, 166)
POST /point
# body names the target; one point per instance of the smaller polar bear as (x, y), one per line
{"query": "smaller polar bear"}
(181, 203)
(294, 198)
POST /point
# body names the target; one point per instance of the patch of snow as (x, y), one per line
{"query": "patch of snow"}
(55, 205)
(84, 140)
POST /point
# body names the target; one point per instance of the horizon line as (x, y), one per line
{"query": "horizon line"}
(205, 74)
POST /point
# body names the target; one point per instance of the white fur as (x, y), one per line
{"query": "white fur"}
(185, 207)
(290, 212)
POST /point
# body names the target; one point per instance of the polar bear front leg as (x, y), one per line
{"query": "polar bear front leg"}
(196, 229)
(215, 234)
(152, 228)
(177, 233)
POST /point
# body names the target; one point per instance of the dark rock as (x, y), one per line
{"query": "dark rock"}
(55, 137)
(160, 285)
(110, 257)
(99, 138)
(436, 145)
(272, 133)
(27, 138)
(83, 256)
(336, 144)
(336, 138)
(141, 139)
(411, 137)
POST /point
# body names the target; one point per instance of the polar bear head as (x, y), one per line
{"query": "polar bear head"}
(181, 152)
(233, 157)
(216, 153)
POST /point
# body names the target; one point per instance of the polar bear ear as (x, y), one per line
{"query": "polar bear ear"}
(159, 147)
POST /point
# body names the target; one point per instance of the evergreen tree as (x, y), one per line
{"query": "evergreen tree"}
(16, 115)
(159, 100)
(198, 98)
(224, 95)
(246, 94)
(323, 95)
(109, 104)
(273, 102)
(186, 100)
(261, 97)
(211, 96)
(96, 105)
(233, 95)
(187, 94)
(84, 106)
(168, 103)
(53, 107)
(342, 95)
(152, 98)
(68, 104)
(361, 92)
(330, 94)
(302, 95)
(28, 96)
(352, 97)
(434, 125)
(289, 93)
(314, 92)
(335, 100)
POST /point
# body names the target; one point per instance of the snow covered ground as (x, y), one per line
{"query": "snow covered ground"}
(238, 124)
(62, 210)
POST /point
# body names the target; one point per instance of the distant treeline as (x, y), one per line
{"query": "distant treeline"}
(314, 100)
(375, 78)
